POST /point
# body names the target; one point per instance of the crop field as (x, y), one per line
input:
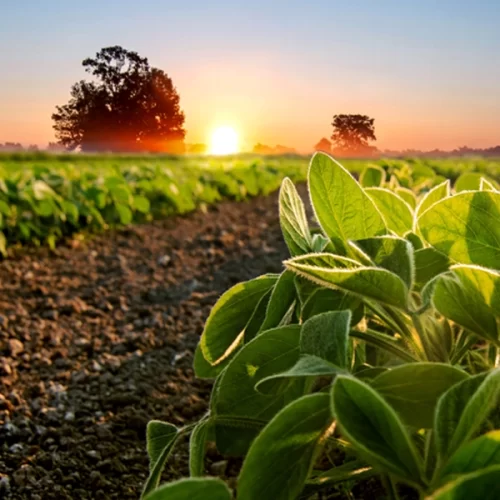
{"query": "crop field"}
(254, 328)
(44, 198)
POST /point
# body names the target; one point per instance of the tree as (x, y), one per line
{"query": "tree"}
(323, 145)
(128, 106)
(351, 134)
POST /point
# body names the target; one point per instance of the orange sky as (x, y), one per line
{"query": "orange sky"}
(275, 71)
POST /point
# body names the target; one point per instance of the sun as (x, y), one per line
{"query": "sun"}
(224, 141)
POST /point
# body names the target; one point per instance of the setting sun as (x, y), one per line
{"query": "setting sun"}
(224, 141)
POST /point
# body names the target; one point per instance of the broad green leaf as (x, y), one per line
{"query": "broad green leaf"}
(271, 352)
(44, 208)
(124, 213)
(258, 317)
(197, 446)
(332, 271)
(465, 227)
(372, 176)
(468, 181)
(422, 174)
(161, 437)
(470, 296)
(306, 367)
(234, 435)
(343, 209)
(327, 336)
(392, 253)
(480, 453)
(414, 389)
(374, 429)
(291, 440)
(488, 185)
(192, 489)
(293, 219)
(385, 342)
(407, 195)
(3, 244)
(121, 194)
(282, 299)
(480, 485)
(414, 240)
(397, 213)
(326, 299)
(41, 190)
(203, 369)
(428, 264)
(433, 196)
(462, 409)
(225, 325)
(141, 203)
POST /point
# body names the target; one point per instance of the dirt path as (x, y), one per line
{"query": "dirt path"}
(97, 340)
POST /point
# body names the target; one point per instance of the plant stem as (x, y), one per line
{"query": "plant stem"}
(383, 342)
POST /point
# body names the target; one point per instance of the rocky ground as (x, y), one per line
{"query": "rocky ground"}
(97, 338)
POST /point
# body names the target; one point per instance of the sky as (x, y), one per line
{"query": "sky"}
(275, 70)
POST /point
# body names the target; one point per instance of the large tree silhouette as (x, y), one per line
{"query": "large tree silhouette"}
(351, 134)
(127, 106)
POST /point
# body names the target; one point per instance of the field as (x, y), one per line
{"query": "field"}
(44, 198)
(345, 365)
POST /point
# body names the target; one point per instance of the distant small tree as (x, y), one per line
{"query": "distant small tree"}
(351, 134)
(12, 147)
(128, 106)
(323, 145)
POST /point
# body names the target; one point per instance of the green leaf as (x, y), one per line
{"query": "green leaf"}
(192, 489)
(332, 271)
(234, 435)
(433, 196)
(465, 227)
(44, 208)
(480, 453)
(327, 336)
(282, 299)
(414, 389)
(468, 181)
(253, 327)
(225, 325)
(121, 194)
(397, 213)
(374, 429)
(307, 367)
(372, 176)
(407, 195)
(343, 209)
(428, 264)
(197, 445)
(141, 204)
(71, 211)
(462, 409)
(392, 253)
(124, 213)
(470, 296)
(203, 369)
(271, 352)
(488, 185)
(4, 208)
(281, 457)
(293, 219)
(161, 438)
(324, 299)
(483, 485)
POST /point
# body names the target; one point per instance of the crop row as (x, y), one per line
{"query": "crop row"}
(44, 198)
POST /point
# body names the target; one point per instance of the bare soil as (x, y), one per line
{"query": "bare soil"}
(97, 338)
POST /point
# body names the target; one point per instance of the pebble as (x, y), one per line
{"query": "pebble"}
(16, 347)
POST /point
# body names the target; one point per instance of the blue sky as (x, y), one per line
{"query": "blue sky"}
(277, 71)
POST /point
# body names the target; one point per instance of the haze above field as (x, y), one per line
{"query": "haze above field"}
(275, 72)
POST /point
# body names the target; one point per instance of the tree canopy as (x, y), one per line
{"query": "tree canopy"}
(351, 134)
(128, 106)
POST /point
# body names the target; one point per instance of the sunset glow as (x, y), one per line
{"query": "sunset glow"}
(224, 141)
